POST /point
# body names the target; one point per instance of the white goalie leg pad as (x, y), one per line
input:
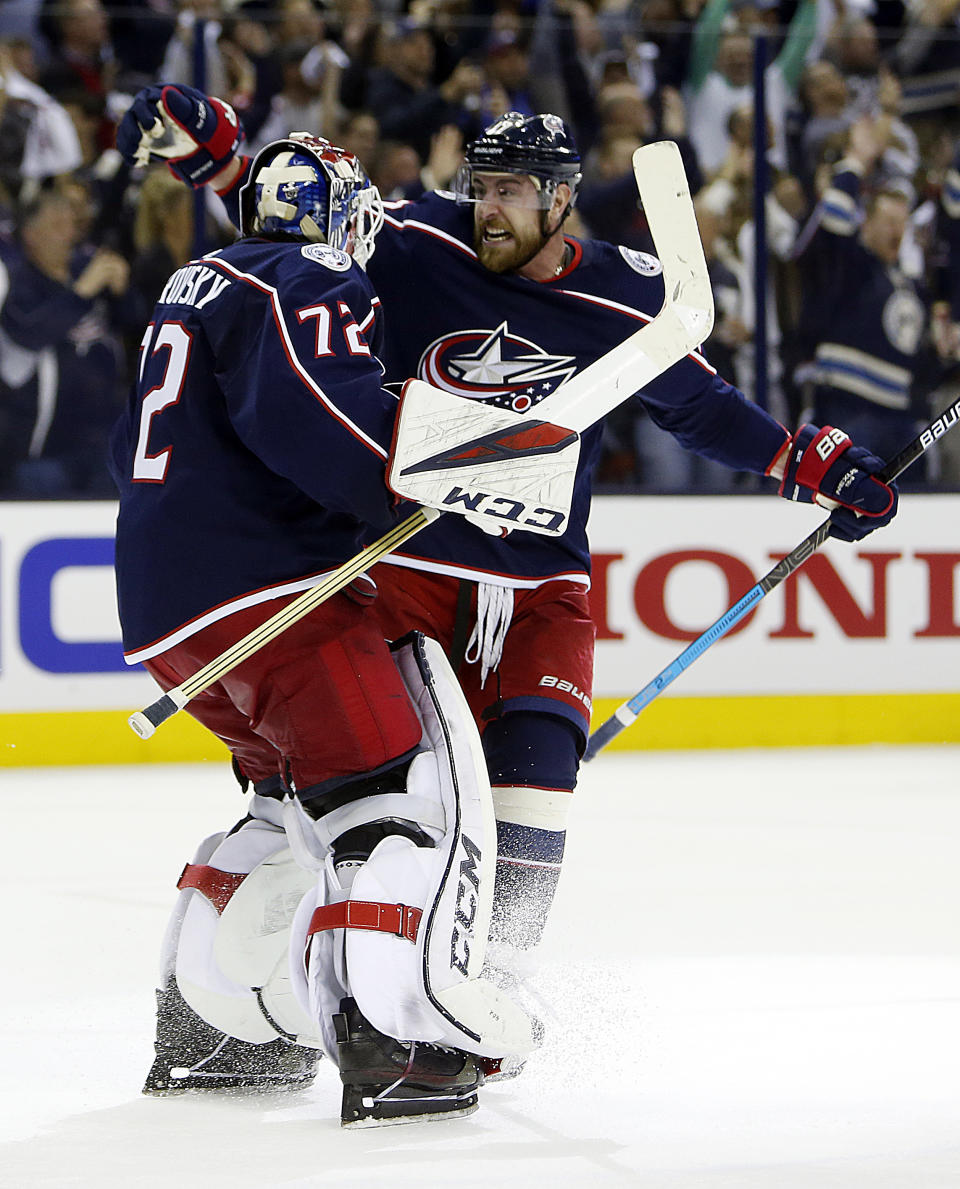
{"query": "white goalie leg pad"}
(232, 953)
(407, 940)
(510, 469)
(317, 971)
(171, 938)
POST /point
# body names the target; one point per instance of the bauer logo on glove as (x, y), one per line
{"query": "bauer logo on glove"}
(823, 466)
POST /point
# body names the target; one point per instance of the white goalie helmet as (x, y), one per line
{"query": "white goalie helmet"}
(305, 188)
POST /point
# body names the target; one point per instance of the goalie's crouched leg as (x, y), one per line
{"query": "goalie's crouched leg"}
(388, 947)
(226, 1017)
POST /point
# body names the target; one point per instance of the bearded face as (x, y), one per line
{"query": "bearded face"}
(510, 225)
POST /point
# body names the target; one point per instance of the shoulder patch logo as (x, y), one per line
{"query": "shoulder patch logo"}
(331, 258)
(642, 262)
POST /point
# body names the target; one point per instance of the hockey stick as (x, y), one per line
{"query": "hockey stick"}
(629, 711)
(685, 319)
(146, 721)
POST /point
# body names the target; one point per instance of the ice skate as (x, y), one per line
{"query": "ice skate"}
(192, 1055)
(386, 1081)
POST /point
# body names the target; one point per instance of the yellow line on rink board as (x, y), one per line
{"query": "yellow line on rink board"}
(810, 720)
(101, 737)
(670, 723)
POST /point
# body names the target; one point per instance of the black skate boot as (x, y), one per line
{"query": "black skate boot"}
(192, 1055)
(386, 1081)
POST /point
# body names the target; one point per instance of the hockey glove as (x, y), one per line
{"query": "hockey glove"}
(825, 463)
(197, 135)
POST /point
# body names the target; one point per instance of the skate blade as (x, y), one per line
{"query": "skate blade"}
(408, 1105)
(368, 1121)
(235, 1084)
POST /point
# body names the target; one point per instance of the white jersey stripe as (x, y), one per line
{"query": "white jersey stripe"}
(489, 576)
(252, 599)
(632, 313)
(404, 224)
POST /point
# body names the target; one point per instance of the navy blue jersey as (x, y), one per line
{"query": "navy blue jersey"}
(510, 341)
(950, 229)
(253, 446)
(865, 319)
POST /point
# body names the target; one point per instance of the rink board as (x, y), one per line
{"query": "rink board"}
(863, 645)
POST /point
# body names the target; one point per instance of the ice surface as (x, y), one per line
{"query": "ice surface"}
(751, 981)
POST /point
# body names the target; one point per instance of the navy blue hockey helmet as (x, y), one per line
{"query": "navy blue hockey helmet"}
(540, 146)
(305, 188)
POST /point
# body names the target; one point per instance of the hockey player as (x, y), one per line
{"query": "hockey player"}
(349, 910)
(487, 298)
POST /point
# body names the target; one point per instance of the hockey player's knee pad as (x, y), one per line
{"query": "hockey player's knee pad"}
(530, 747)
(406, 938)
(232, 950)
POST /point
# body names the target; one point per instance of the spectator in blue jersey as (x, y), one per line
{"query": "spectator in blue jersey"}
(250, 461)
(61, 360)
(487, 297)
(948, 286)
(866, 322)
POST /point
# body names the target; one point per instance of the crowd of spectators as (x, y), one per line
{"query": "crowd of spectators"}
(863, 185)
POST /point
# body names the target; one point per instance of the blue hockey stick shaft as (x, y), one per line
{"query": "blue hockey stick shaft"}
(629, 711)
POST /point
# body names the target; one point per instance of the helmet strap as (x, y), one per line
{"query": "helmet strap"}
(550, 188)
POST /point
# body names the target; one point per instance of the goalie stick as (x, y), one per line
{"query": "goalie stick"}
(629, 711)
(146, 721)
(685, 319)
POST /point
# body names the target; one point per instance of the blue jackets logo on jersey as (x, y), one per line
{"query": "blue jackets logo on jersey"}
(325, 254)
(642, 262)
(494, 366)
(903, 320)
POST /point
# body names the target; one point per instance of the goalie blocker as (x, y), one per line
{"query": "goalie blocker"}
(511, 470)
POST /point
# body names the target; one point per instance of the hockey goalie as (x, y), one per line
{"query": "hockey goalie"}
(348, 912)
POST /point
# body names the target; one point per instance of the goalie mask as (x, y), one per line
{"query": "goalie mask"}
(305, 188)
(539, 146)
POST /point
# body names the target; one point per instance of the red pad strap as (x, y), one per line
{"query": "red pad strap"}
(218, 886)
(399, 919)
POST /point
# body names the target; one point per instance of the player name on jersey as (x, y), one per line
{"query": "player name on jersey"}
(193, 285)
